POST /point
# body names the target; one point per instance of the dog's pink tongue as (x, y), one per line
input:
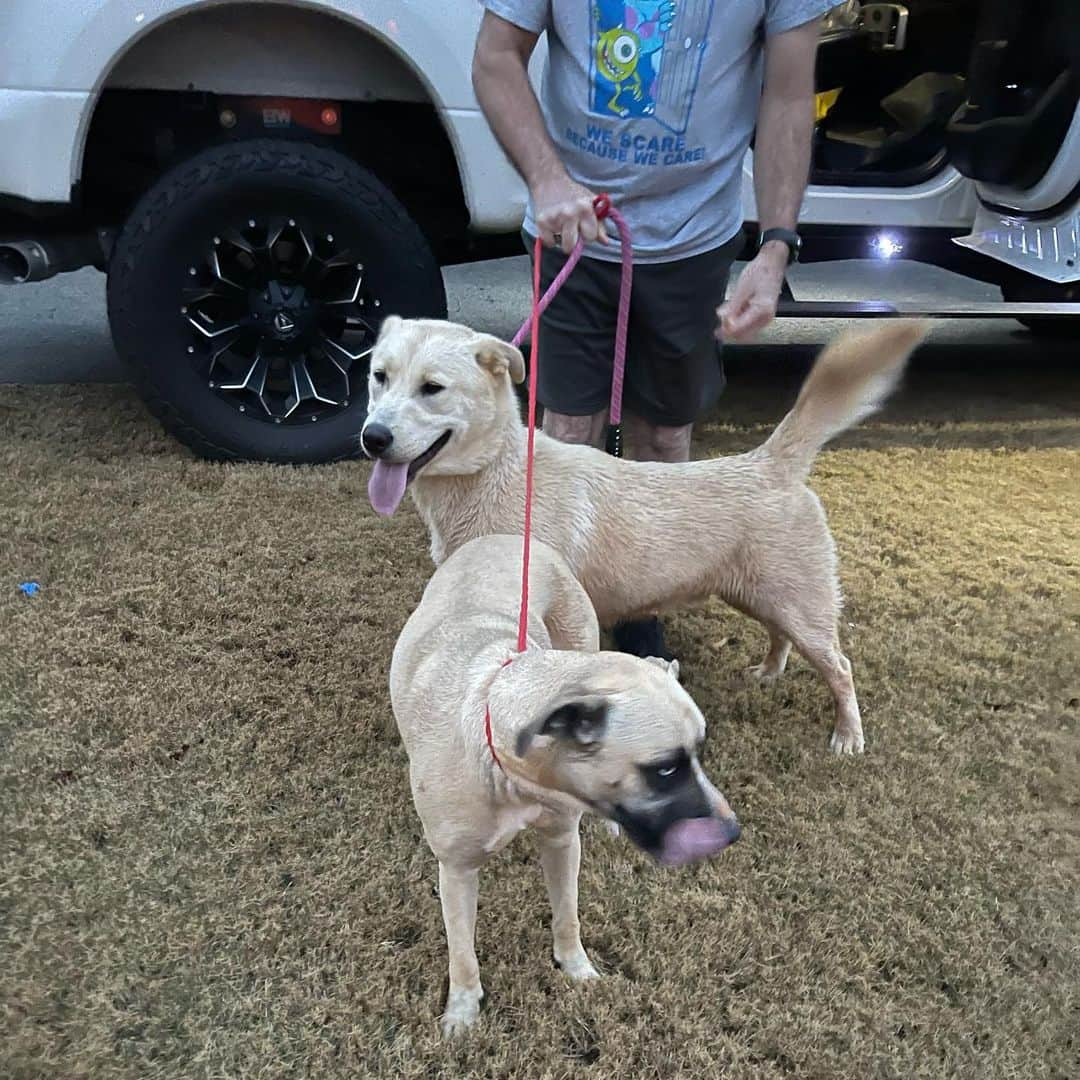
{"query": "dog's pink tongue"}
(386, 488)
(692, 839)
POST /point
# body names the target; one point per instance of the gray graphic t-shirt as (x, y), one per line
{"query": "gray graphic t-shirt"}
(654, 102)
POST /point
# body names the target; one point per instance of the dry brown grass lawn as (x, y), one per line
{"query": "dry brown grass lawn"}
(210, 865)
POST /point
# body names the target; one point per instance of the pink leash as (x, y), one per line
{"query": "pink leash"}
(531, 327)
(604, 209)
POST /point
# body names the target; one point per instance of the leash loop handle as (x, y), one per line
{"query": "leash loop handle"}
(531, 328)
(530, 454)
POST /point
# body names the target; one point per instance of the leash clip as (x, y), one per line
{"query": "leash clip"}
(602, 206)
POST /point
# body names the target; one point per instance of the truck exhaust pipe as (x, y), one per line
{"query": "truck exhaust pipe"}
(23, 261)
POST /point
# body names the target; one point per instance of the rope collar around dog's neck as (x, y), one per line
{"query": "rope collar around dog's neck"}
(487, 721)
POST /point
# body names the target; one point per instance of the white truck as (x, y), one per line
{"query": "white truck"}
(262, 180)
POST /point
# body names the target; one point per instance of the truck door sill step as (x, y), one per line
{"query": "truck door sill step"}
(882, 309)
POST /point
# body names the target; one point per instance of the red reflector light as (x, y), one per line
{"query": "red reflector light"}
(329, 117)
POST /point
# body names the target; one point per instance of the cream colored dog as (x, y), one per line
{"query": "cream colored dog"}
(571, 731)
(639, 536)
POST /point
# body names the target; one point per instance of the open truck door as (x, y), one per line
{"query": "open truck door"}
(948, 133)
(1017, 136)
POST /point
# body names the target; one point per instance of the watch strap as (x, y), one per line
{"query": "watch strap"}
(786, 236)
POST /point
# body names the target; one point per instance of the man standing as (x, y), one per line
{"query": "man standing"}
(655, 103)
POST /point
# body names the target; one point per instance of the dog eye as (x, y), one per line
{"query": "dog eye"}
(665, 775)
(430, 388)
(379, 377)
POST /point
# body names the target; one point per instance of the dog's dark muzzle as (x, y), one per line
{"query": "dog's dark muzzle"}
(679, 830)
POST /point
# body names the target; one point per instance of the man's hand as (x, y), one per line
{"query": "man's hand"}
(753, 304)
(564, 210)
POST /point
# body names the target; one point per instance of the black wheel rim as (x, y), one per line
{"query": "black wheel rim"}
(282, 321)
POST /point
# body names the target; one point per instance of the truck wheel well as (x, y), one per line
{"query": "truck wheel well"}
(162, 102)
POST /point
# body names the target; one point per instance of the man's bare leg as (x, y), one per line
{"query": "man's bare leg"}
(652, 442)
(647, 442)
(580, 430)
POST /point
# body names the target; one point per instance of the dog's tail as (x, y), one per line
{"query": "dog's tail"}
(848, 382)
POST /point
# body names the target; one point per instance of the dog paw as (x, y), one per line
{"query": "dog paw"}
(670, 666)
(577, 966)
(846, 742)
(765, 674)
(462, 1011)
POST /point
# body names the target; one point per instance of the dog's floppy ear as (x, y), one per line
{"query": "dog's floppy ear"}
(670, 666)
(389, 325)
(500, 357)
(579, 723)
(582, 721)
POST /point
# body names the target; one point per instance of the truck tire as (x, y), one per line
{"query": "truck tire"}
(245, 292)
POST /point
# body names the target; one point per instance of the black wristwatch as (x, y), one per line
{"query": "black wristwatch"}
(786, 236)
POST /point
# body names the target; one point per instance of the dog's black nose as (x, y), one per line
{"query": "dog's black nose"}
(376, 439)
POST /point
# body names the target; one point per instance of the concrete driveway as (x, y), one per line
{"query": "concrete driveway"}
(56, 331)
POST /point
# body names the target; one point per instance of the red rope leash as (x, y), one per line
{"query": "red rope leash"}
(531, 328)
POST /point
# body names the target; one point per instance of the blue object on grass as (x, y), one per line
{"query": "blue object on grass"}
(29, 587)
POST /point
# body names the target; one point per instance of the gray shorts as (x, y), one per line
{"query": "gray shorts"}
(673, 364)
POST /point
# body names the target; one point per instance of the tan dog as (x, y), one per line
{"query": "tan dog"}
(638, 536)
(571, 731)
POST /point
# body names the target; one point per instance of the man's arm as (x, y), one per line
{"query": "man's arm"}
(500, 75)
(785, 128)
(781, 168)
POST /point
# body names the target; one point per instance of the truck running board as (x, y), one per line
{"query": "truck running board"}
(881, 309)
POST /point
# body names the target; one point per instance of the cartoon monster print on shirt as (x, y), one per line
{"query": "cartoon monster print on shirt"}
(645, 57)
